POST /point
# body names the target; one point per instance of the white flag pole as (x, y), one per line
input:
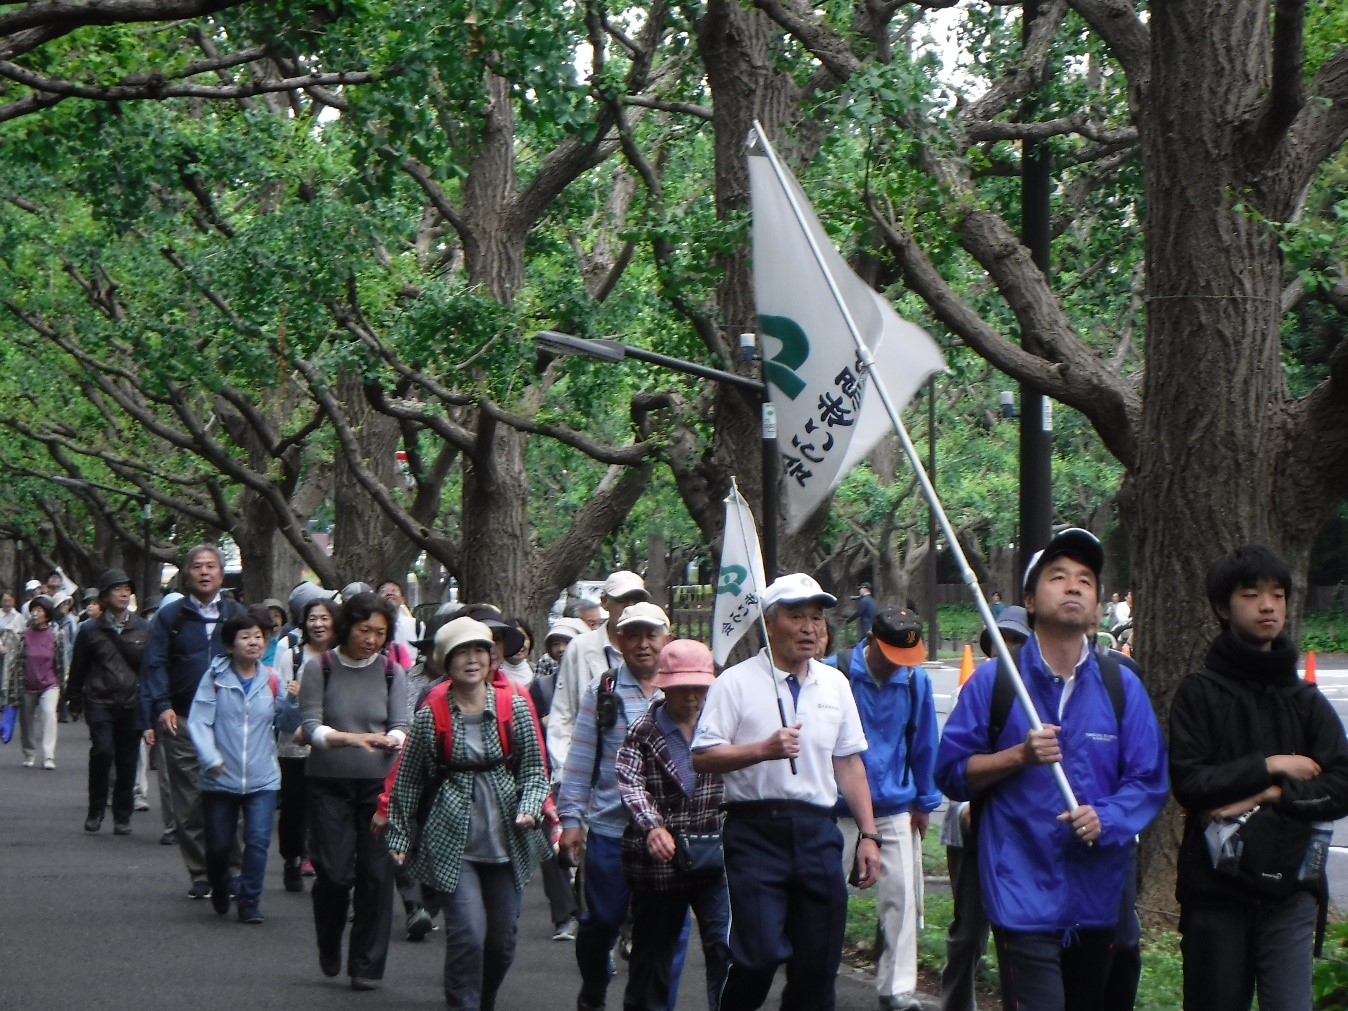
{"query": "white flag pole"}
(966, 571)
(762, 618)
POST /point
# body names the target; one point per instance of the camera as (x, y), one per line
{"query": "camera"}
(606, 710)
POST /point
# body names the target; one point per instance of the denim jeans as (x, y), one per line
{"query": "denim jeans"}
(1041, 973)
(481, 926)
(660, 932)
(221, 811)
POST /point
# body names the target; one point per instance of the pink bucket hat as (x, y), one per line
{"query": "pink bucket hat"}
(685, 663)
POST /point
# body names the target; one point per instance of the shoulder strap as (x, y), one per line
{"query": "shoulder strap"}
(505, 718)
(325, 665)
(438, 703)
(845, 661)
(275, 686)
(1111, 674)
(910, 730)
(1003, 695)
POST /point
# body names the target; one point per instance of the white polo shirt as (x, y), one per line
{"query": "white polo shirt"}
(742, 709)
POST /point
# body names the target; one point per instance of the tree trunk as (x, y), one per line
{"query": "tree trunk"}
(1213, 435)
(366, 545)
(495, 519)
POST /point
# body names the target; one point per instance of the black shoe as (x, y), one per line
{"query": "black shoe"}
(291, 876)
(94, 822)
(249, 912)
(330, 964)
(169, 838)
(121, 828)
(199, 890)
(220, 902)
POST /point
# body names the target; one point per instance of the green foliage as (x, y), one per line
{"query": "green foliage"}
(1329, 982)
(1325, 632)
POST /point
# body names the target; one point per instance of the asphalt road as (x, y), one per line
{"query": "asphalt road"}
(98, 921)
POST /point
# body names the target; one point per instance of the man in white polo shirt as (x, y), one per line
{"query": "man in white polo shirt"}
(783, 730)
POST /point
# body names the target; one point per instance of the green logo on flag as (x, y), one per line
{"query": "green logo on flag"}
(732, 579)
(780, 369)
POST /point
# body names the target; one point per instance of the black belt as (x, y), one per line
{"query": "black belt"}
(765, 809)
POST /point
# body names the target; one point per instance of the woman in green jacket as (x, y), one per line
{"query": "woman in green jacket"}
(477, 842)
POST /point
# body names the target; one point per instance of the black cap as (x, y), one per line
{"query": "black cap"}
(114, 577)
(899, 635)
(1074, 542)
(510, 637)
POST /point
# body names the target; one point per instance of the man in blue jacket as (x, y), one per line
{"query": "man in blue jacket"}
(1053, 880)
(898, 714)
(184, 638)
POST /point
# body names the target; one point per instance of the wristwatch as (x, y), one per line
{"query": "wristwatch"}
(873, 837)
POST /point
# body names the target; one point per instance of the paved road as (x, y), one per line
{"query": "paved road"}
(95, 922)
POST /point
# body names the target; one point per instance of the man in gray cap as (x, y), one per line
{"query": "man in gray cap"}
(105, 683)
(587, 657)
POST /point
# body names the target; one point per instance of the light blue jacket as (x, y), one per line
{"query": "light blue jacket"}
(234, 726)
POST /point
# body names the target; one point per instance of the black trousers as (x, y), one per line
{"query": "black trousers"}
(293, 802)
(350, 863)
(114, 742)
(1041, 973)
(788, 903)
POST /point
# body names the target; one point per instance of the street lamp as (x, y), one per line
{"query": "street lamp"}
(606, 349)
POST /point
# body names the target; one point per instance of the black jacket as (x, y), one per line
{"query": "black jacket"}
(105, 664)
(1225, 720)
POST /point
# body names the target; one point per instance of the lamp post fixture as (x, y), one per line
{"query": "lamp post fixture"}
(608, 350)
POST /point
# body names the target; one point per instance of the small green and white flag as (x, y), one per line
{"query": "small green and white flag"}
(740, 581)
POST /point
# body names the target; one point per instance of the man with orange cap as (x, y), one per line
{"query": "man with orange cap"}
(898, 713)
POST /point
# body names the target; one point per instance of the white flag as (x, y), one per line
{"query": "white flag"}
(825, 422)
(740, 581)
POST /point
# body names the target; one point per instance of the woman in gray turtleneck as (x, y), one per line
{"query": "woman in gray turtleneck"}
(354, 708)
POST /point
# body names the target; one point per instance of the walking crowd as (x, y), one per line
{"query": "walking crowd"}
(440, 762)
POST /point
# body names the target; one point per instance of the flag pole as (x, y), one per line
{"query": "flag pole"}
(867, 360)
(762, 619)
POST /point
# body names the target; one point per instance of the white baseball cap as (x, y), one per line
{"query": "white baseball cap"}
(622, 584)
(796, 588)
(643, 613)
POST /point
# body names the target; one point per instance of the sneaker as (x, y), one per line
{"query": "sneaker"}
(199, 890)
(901, 1002)
(291, 878)
(142, 804)
(249, 912)
(28, 763)
(121, 828)
(169, 838)
(94, 822)
(363, 983)
(307, 869)
(419, 923)
(566, 931)
(48, 764)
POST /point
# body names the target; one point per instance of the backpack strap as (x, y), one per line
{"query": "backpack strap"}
(608, 684)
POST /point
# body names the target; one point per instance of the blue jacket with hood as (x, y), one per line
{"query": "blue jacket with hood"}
(234, 725)
(1036, 876)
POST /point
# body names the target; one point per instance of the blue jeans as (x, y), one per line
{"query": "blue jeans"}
(660, 933)
(221, 812)
(481, 927)
(1041, 973)
(606, 900)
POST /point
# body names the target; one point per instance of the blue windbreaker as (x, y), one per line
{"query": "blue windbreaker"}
(884, 716)
(237, 728)
(1035, 875)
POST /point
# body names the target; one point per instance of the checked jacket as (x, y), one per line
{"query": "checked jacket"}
(653, 797)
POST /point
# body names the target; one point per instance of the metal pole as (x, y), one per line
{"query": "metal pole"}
(933, 585)
(966, 572)
(769, 488)
(1036, 429)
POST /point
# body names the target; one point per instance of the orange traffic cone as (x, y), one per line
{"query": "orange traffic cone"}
(1310, 666)
(1126, 650)
(966, 664)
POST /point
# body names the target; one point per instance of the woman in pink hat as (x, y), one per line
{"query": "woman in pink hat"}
(671, 849)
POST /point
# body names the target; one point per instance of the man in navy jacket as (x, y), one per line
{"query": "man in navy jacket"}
(184, 638)
(1053, 880)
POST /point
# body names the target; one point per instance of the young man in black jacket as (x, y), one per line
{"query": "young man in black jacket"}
(1253, 745)
(104, 684)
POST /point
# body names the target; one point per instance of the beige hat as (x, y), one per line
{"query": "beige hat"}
(623, 584)
(460, 632)
(685, 663)
(644, 613)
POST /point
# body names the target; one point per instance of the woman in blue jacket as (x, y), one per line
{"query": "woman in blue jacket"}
(235, 714)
